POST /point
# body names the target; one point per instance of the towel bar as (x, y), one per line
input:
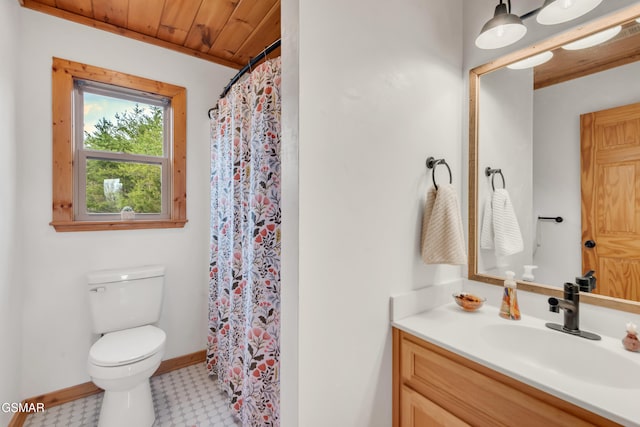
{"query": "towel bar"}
(551, 218)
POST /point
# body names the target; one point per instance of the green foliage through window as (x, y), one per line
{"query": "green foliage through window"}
(136, 131)
(113, 184)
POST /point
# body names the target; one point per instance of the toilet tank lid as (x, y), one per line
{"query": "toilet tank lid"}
(120, 275)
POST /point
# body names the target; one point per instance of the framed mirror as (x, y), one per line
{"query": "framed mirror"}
(532, 131)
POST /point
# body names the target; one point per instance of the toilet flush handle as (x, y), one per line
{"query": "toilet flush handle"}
(100, 289)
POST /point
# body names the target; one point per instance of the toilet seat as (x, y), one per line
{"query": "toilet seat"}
(127, 346)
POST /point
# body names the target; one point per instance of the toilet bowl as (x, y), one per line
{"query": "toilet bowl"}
(121, 363)
(125, 305)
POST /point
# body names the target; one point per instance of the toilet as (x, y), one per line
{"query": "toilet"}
(124, 306)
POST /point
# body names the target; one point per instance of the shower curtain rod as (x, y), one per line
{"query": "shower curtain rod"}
(252, 62)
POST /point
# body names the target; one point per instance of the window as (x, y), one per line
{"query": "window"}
(122, 152)
(119, 150)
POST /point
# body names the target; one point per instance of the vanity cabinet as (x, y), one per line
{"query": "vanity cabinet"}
(417, 410)
(435, 387)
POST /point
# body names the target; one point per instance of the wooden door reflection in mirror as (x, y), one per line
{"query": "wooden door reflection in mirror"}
(610, 180)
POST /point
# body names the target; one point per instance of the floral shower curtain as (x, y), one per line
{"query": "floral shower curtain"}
(244, 287)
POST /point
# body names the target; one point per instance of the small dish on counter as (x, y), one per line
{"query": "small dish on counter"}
(468, 302)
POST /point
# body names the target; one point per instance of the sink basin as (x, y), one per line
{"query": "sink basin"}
(564, 355)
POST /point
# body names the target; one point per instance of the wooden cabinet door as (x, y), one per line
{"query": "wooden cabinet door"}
(418, 411)
(610, 181)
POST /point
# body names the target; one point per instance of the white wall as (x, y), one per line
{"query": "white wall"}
(506, 132)
(51, 266)
(556, 162)
(10, 295)
(380, 91)
(290, 94)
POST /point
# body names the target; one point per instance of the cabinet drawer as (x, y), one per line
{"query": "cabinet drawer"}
(418, 411)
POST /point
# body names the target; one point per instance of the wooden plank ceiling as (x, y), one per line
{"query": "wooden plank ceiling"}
(228, 32)
(571, 64)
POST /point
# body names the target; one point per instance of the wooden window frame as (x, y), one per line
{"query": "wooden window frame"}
(64, 72)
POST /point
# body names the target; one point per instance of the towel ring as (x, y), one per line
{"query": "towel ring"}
(492, 173)
(432, 163)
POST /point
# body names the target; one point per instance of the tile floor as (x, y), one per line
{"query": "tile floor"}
(185, 397)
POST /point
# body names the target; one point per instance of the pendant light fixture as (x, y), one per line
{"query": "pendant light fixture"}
(502, 30)
(506, 28)
(594, 39)
(559, 11)
(532, 61)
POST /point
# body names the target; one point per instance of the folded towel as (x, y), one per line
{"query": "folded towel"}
(507, 235)
(442, 232)
(486, 230)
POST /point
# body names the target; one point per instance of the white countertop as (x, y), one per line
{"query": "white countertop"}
(458, 331)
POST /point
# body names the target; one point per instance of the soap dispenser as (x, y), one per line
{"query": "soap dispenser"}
(509, 308)
(528, 273)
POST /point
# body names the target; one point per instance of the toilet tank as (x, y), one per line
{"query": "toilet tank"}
(126, 298)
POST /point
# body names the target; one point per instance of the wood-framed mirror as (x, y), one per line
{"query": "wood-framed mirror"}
(485, 106)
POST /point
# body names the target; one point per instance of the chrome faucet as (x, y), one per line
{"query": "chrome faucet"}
(571, 306)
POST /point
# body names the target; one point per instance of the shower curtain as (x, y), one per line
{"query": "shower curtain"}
(244, 287)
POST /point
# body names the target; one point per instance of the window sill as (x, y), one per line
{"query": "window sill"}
(116, 225)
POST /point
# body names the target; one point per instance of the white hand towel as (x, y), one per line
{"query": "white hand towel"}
(486, 231)
(508, 238)
(442, 232)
